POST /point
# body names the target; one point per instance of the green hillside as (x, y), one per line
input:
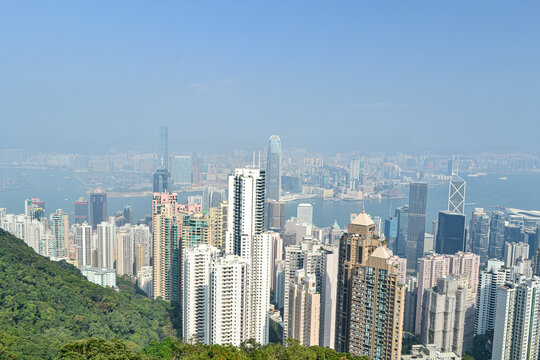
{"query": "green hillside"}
(45, 304)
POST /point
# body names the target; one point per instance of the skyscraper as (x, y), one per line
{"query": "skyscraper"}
(181, 170)
(305, 309)
(327, 332)
(479, 234)
(229, 316)
(60, 230)
(273, 168)
(196, 295)
(125, 252)
(304, 212)
(164, 147)
(275, 215)
(402, 215)
(417, 222)
(81, 211)
(98, 207)
(450, 233)
(372, 328)
(494, 276)
(517, 321)
(83, 240)
(106, 239)
(246, 210)
(456, 193)
(496, 235)
(448, 315)
(161, 181)
(166, 233)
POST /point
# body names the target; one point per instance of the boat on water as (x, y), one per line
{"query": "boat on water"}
(477, 174)
(503, 178)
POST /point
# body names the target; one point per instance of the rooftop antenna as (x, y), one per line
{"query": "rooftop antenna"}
(259, 159)
(253, 161)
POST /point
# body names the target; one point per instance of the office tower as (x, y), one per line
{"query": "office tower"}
(81, 211)
(273, 169)
(450, 233)
(181, 170)
(429, 243)
(304, 212)
(305, 309)
(515, 251)
(125, 257)
(196, 292)
(229, 292)
(402, 215)
(106, 239)
(83, 239)
(417, 222)
(128, 214)
(217, 221)
(517, 321)
(98, 207)
(275, 215)
(371, 328)
(448, 315)
(411, 291)
(335, 234)
(489, 280)
(59, 224)
(456, 196)
(195, 230)
(166, 234)
(479, 233)
(496, 235)
(390, 232)
(161, 181)
(164, 147)
(212, 197)
(139, 258)
(246, 210)
(327, 328)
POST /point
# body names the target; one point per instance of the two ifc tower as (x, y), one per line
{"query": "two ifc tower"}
(273, 165)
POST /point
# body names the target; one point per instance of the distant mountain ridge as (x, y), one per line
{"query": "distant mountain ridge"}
(44, 304)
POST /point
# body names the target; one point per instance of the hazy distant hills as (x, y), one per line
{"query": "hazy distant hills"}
(44, 304)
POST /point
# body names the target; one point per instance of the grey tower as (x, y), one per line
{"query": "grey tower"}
(164, 147)
(456, 196)
(98, 207)
(273, 168)
(450, 233)
(417, 223)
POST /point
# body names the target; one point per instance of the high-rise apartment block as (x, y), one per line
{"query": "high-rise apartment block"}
(166, 233)
(479, 234)
(59, 224)
(494, 276)
(496, 235)
(305, 307)
(371, 328)
(517, 321)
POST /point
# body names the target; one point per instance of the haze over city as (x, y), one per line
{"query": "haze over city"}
(415, 76)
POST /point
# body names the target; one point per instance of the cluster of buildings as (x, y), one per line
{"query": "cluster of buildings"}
(234, 263)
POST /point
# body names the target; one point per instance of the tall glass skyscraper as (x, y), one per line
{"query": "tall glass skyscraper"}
(450, 233)
(273, 168)
(417, 223)
(98, 207)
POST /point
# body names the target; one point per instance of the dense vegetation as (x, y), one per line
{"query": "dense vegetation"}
(45, 304)
(173, 350)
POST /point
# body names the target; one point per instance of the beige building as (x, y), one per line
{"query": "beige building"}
(371, 297)
(217, 222)
(429, 352)
(305, 309)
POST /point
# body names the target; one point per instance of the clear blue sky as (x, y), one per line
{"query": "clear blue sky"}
(330, 76)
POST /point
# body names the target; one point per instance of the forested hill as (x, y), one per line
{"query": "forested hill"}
(44, 304)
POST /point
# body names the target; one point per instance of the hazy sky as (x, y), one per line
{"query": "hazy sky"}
(85, 76)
